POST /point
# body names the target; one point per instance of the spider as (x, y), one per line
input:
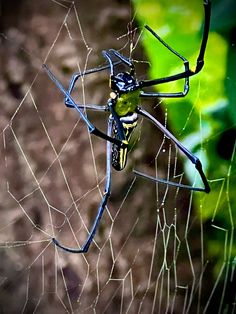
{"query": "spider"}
(124, 108)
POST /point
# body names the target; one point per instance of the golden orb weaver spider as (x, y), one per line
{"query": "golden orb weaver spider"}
(124, 108)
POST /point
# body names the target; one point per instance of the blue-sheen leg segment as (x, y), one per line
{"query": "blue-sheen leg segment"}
(91, 127)
(184, 150)
(76, 76)
(102, 205)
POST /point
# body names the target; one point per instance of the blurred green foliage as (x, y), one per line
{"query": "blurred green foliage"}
(205, 120)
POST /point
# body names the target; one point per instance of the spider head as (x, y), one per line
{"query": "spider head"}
(123, 82)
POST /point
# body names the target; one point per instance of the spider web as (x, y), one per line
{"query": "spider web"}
(149, 252)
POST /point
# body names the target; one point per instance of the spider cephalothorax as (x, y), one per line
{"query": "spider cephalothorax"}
(124, 107)
(123, 82)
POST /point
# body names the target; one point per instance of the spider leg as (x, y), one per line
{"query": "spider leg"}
(92, 129)
(186, 66)
(187, 72)
(87, 106)
(190, 156)
(171, 95)
(93, 107)
(126, 61)
(76, 76)
(102, 205)
(123, 59)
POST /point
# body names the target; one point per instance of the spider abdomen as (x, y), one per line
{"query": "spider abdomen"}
(119, 154)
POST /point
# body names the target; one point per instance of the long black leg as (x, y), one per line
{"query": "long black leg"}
(123, 59)
(88, 106)
(91, 127)
(186, 66)
(110, 108)
(102, 205)
(190, 156)
(171, 95)
(76, 76)
(107, 56)
(126, 61)
(188, 72)
(93, 107)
